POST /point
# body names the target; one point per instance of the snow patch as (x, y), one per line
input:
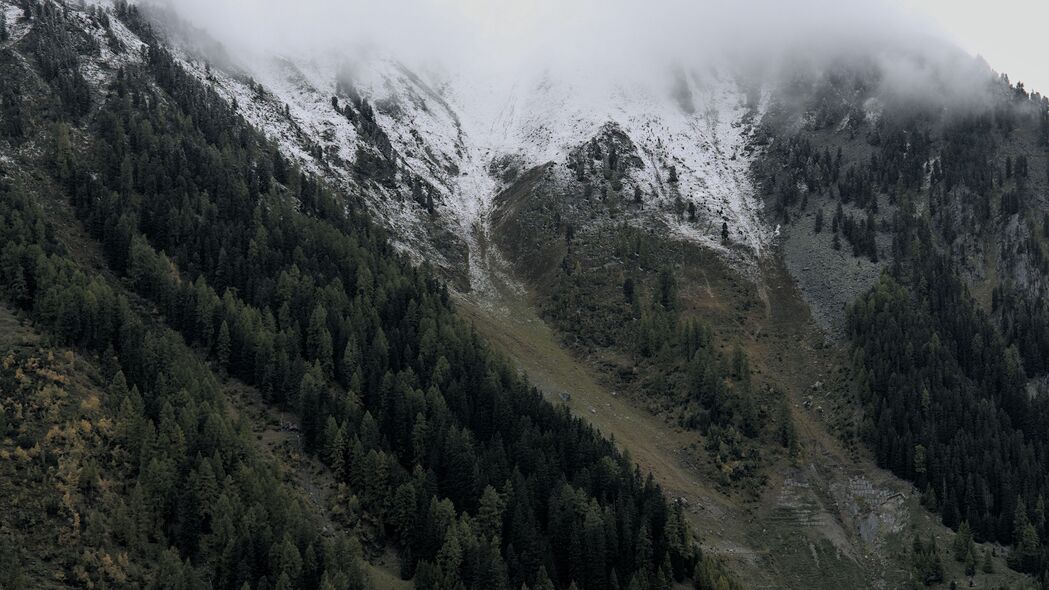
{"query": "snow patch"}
(707, 145)
(17, 26)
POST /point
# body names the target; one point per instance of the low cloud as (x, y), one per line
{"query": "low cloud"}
(617, 38)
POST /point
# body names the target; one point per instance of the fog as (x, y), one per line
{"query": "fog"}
(619, 38)
(458, 30)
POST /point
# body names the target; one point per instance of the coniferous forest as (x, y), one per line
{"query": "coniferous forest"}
(222, 366)
(222, 260)
(952, 390)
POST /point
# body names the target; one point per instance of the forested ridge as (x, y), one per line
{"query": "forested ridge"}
(453, 459)
(952, 389)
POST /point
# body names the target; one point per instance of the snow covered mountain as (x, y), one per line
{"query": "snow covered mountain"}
(615, 231)
(444, 146)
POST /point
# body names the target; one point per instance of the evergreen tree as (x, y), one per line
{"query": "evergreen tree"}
(629, 294)
(542, 580)
(318, 340)
(222, 345)
(963, 542)
(490, 514)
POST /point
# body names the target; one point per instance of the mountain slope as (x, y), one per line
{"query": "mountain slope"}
(449, 144)
(446, 454)
(647, 251)
(950, 197)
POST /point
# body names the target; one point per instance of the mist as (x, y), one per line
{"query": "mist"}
(624, 40)
(567, 29)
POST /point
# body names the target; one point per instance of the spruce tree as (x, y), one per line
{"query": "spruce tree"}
(318, 340)
(542, 580)
(490, 514)
(963, 542)
(222, 345)
(988, 564)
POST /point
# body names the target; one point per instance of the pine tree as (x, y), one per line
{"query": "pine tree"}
(628, 290)
(667, 289)
(988, 564)
(312, 392)
(420, 436)
(222, 345)
(643, 555)
(449, 559)
(1027, 550)
(926, 561)
(328, 440)
(284, 582)
(318, 340)
(963, 542)
(593, 542)
(1038, 518)
(542, 580)
(490, 514)
(351, 361)
(403, 510)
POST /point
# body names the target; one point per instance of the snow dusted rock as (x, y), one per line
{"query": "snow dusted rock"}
(699, 126)
(454, 136)
(430, 152)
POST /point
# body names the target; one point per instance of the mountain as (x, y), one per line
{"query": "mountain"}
(717, 327)
(267, 393)
(444, 145)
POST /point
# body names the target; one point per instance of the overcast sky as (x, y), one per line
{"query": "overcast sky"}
(1009, 34)
(1012, 35)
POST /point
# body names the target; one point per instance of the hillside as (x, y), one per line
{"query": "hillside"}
(430, 151)
(700, 327)
(148, 228)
